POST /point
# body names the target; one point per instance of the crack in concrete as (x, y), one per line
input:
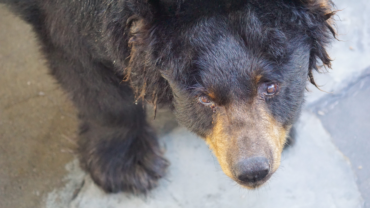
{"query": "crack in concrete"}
(341, 153)
(333, 97)
(329, 107)
(78, 190)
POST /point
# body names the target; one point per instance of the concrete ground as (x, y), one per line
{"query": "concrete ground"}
(328, 167)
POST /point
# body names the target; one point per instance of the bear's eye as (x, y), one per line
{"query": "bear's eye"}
(268, 89)
(272, 89)
(207, 102)
(204, 100)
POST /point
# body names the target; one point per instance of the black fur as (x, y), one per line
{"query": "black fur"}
(169, 52)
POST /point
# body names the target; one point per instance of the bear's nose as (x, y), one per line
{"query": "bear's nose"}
(252, 170)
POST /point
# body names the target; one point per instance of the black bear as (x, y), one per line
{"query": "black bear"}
(233, 71)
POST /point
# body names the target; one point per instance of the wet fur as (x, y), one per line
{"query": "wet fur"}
(169, 52)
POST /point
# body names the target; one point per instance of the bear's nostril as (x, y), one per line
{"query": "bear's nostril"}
(252, 170)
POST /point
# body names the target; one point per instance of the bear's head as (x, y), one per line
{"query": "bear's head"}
(234, 71)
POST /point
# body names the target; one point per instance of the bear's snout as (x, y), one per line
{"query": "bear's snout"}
(247, 141)
(252, 170)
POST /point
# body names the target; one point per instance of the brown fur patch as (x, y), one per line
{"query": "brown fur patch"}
(218, 144)
(136, 39)
(258, 78)
(276, 137)
(212, 95)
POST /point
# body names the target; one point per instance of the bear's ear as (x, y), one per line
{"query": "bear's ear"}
(121, 20)
(319, 23)
(143, 14)
(137, 28)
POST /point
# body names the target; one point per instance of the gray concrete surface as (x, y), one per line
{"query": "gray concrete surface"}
(349, 112)
(37, 121)
(328, 167)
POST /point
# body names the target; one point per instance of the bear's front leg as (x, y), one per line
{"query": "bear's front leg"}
(116, 145)
(121, 159)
